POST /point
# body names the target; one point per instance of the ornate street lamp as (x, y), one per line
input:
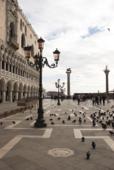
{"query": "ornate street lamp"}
(41, 61)
(59, 87)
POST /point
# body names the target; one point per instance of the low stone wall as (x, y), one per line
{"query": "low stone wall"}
(12, 112)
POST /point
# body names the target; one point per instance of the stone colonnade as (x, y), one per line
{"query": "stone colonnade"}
(14, 91)
(18, 79)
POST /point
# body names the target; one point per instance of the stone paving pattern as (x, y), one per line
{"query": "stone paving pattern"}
(31, 150)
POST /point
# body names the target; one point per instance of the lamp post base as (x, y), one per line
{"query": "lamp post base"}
(58, 103)
(40, 124)
(68, 97)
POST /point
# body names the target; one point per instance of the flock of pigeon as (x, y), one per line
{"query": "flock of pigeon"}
(2, 123)
(66, 118)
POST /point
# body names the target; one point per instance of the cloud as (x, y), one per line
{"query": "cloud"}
(57, 33)
(78, 28)
(92, 31)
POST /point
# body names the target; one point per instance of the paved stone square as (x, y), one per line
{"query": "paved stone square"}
(59, 145)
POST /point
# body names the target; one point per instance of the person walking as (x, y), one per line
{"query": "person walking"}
(93, 144)
(83, 139)
(80, 120)
(94, 122)
(88, 154)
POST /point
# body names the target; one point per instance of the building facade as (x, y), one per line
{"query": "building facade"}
(18, 76)
(54, 94)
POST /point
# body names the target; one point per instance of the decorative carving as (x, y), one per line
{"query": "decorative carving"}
(61, 152)
(12, 7)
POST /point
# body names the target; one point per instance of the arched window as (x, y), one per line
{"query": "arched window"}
(13, 69)
(21, 24)
(3, 63)
(22, 40)
(25, 30)
(7, 66)
(10, 67)
(12, 30)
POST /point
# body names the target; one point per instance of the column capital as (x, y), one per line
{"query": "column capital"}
(68, 71)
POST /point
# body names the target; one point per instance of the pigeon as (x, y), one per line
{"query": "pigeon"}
(108, 29)
(84, 120)
(69, 118)
(63, 122)
(74, 121)
(83, 139)
(1, 123)
(13, 122)
(52, 123)
(50, 119)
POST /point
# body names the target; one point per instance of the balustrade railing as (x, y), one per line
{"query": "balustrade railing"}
(29, 68)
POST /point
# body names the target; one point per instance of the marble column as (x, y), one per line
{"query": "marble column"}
(16, 96)
(3, 96)
(0, 64)
(68, 72)
(10, 96)
(106, 71)
(21, 95)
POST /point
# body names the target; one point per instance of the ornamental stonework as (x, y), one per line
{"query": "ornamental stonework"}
(61, 152)
(12, 22)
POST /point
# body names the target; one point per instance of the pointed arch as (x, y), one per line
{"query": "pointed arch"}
(23, 42)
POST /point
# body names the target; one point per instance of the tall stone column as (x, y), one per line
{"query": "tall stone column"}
(106, 71)
(4, 65)
(21, 95)
(16, 96)
(0, 64)
(10, 95)
(29, 94)
(8, 67)
(3, 96)
(68, 72)
(11, 68)
(25, 95)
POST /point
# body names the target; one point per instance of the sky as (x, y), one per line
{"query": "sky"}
(83, 31)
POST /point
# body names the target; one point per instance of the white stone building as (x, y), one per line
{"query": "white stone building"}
(18, 77)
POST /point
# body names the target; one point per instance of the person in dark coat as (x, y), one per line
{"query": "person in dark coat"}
(93, 144)
(88, 154)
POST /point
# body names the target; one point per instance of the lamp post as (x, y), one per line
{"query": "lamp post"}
(59, 87)
(40, 62)
(62, 93)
